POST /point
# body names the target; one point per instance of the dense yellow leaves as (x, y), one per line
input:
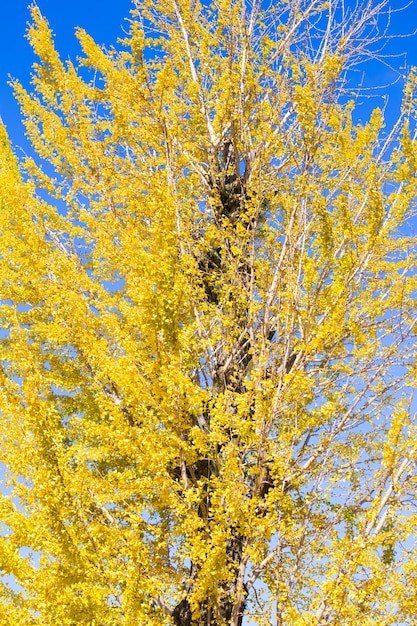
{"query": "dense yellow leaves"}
(208, 329)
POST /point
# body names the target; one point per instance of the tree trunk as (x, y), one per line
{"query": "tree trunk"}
(182, 615)
(221, 614)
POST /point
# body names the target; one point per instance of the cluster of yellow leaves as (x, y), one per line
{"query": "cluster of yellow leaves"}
(128, 456)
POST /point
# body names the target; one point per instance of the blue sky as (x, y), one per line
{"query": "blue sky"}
(105, 19)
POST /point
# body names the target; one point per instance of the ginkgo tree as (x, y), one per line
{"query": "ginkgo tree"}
(208, 317)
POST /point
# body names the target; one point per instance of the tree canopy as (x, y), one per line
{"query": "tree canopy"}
(207, 275)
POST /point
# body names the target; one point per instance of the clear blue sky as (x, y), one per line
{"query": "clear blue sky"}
(105, 19)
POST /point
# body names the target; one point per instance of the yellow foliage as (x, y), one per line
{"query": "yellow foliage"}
(207, 330)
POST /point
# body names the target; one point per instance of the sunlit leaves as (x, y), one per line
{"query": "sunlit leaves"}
(208, 328)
